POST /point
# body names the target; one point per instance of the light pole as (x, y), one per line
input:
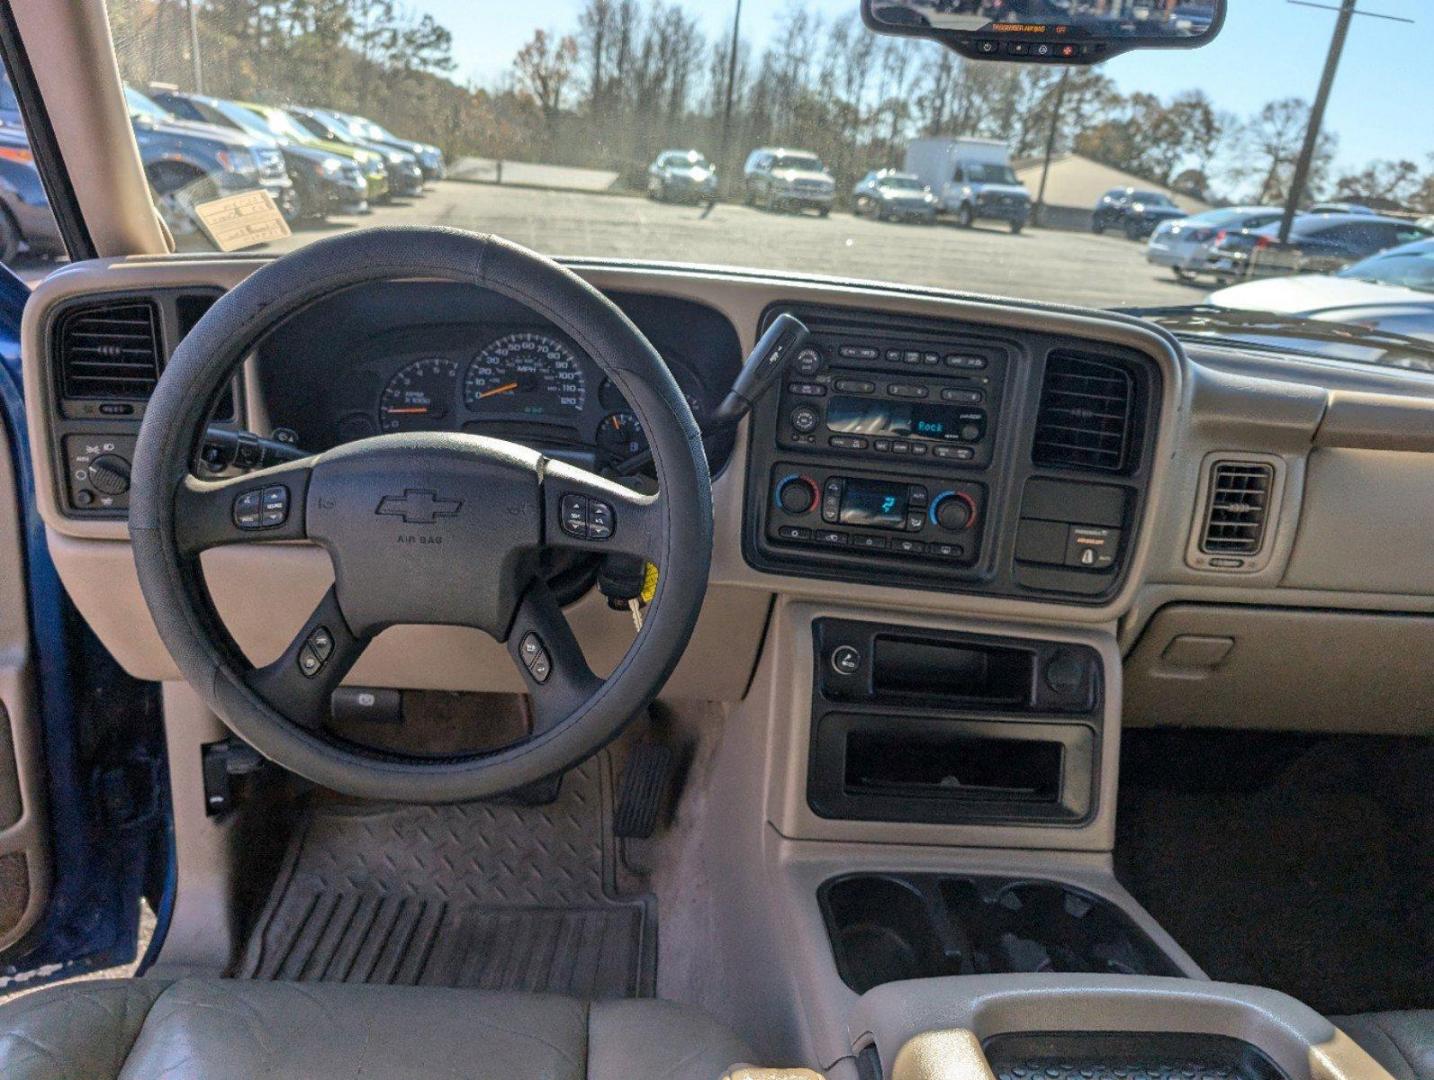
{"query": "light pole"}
(1051, 143)
(1347, 12)
(731, 84)
(194, 47)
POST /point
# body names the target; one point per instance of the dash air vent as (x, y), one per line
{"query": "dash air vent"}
(1237, 509)
(109, 351)
(1086, 414)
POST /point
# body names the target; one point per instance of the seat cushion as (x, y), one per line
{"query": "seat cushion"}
(1403, 1042)
(223, 1029)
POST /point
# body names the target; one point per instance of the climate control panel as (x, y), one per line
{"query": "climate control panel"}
(871, 514)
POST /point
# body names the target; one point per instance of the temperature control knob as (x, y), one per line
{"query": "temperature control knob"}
(797, 494)
(953, 511)
(109, 474)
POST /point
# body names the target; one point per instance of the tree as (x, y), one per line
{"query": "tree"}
(1396, 182)
(1271, 143)
(544, 66)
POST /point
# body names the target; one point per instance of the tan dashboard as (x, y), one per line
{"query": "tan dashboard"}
(1339, 457)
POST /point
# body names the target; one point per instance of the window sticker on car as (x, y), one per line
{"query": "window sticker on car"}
(242, 220)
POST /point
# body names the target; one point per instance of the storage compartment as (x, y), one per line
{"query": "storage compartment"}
(952, 765)
(1117, 1055)
(914, 768)
(969, 672)
(885, 927)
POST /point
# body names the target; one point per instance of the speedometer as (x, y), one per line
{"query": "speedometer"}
(525, 374)
(420, 396)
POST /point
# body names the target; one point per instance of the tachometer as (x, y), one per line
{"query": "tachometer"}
(525, 374)
(420, 396)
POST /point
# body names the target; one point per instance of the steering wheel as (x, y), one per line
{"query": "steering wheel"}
(435, 528)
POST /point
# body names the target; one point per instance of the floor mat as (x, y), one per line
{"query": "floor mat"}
(1297, 862)
(485, 895)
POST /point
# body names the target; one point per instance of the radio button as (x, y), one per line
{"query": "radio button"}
(954, 453)
(893, 356)
(847, 442)
(881, 446)
(906, 390)
(900, 448)
(918, 449)
(859, 352)
(807, 389)
(970, 432)
(911, 356)
(808, 362)
(930, 359)
(805, 419)
(855, 386)
(966, 361)
(962, 397)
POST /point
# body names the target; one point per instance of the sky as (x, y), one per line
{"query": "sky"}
(1382, 105)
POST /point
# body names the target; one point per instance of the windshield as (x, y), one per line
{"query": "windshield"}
(139, 105)
(991, 174)
(686, 161)
(1412, 267)
(541, 122)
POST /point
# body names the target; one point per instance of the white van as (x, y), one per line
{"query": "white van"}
(972, 178)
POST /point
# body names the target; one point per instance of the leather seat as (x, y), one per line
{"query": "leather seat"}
(1403, 1042)
(218, 1029)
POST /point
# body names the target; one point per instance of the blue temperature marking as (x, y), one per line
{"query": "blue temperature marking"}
(937, 502)
(777, 491)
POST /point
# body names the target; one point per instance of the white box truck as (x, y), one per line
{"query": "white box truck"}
(971, 178)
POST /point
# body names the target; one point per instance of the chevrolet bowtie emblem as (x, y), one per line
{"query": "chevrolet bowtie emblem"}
(418, 507)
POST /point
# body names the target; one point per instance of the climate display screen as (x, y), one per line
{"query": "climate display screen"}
(898, 419)
(874, 504)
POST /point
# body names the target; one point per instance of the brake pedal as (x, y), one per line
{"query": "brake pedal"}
(640, 792)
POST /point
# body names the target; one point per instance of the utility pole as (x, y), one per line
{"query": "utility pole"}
(1347, 11)
(1051, 143)
(731, 85)
(194, 47)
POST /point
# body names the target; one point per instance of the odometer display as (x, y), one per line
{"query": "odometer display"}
(420, 396)
(525, 374)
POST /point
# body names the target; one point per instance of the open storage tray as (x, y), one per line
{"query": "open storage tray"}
(1116, 1055)
(888, 927)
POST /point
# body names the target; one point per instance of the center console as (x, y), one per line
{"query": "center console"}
(943, 455)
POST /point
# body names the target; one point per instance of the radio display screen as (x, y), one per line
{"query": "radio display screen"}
(874, 504)
(898, 419)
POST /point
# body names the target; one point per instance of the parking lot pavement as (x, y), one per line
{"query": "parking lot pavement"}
(1064, 267)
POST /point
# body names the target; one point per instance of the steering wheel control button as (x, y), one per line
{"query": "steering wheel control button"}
(846, 660)
(600, 520)
(246, 510)
(573, 509)
(535, 657)
(273, 506)
(322, 642)
(309, 662)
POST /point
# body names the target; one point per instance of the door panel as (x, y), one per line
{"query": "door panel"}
(24, 858)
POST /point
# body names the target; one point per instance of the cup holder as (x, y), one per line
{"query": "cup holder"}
(886, 927)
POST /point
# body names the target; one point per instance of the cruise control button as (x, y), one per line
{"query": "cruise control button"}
(530, 648)
(246, 510)
(541, 668)
(309, 662)
(600, 521)
(573, 510)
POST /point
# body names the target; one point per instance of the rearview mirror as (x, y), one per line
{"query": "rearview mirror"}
(1049, 31)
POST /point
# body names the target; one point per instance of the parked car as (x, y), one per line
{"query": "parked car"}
(780, 179)
(1318, 243)
(429, 156)
(323, 182)
(1182, 243)
(888, 195)
(971, 178)
(1135, 211)
(189, 163)
(681, 174)
(373, 165)
(405, 175)
(1341, 208)
(1391, 291)
(25, 219)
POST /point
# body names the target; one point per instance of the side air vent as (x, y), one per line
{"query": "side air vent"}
(1086, 412)
(1237, 508)
(109, 351)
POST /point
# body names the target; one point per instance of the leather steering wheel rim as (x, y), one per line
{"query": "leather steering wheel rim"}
(174, 516)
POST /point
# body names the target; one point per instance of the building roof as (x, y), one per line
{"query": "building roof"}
(1078, 181)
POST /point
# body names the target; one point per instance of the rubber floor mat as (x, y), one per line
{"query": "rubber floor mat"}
(486, 895)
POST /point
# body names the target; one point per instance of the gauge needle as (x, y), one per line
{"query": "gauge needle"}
(406, 411)
(498, 390)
